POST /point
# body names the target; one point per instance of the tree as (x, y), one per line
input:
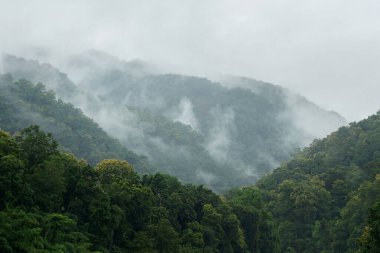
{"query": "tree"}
(370, 240)
(192, 237)
(8, 145)
(212, 227)
(113, 171)
(13, 188)
(48, 182)
(165, 239)
(36, 145)
(256, 222)
(20, 231)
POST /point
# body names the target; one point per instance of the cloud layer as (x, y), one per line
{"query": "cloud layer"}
(328, 51)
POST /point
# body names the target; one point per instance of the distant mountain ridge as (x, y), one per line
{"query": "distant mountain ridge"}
(303, 112)
(234, 135)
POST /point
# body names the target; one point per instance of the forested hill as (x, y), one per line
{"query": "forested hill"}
(321, 198)
(23, 103)
(189, 127)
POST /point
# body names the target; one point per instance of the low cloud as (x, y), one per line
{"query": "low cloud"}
(206, 177)
(310, 121)
(219, 138)
(185, 114)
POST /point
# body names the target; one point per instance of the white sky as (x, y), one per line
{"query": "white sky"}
(326, 50)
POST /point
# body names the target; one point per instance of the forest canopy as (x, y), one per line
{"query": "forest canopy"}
(52, 202)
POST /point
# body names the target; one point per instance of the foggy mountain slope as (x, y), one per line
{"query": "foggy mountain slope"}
(39, 72)
(234, 135)
(308, 118)
(22, 104)
(173, 146)
(93, 61)
(177, 149)
(196, 101)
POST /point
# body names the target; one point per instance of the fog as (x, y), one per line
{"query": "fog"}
(185, 114)
(227, 136)
(219, 140)
(328, 51)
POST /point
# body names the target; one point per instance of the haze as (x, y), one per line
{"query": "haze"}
(328, 51)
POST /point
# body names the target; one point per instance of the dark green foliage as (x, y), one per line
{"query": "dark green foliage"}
(48, 180)
(257, 222)
(370, 239)
(22, 231)
(36, 146)
(323, 195)
(52, 202)
(8, 145)
(23, 103)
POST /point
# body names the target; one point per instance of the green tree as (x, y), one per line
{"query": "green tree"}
(36, 145)
(256, 222)
(113, 171)
(192, 237)
(212, 227)
(8, 145)
(20, 232)
(370, 239)
(48, 183)
(13, 188)
(165, 239)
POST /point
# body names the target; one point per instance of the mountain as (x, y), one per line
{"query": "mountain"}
(36, 72)
(23, 103)
(325, 198)
(236, 130)
(323, 195)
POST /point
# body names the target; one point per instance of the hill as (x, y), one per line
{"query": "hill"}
(323, 195)
(23, 103)
(234, 135)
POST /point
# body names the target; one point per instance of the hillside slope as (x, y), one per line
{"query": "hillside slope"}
(235, 134)
(22, 104)
(323, 195)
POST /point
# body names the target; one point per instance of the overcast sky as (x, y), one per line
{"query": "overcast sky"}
(326, 50)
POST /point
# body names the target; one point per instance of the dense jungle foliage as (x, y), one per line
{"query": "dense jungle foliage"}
(52, 202)
(326, 199)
